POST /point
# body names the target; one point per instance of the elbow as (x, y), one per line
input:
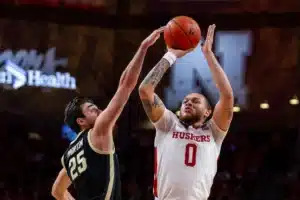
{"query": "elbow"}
(145, 91)
(228, 96)
(142, 89)
(53, 192)
(56, 193)
(57, 196)
(226, 92)
(229, 93)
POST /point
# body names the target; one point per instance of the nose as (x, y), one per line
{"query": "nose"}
(188, 103)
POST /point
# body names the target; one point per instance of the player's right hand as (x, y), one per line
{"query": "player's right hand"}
(179, 53)
(207, 46)
(152, 38)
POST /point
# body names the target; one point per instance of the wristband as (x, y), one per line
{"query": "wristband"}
(170, 57)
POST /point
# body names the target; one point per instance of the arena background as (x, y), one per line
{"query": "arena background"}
(260, 156)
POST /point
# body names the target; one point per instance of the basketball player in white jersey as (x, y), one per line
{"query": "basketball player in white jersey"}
(187, 148)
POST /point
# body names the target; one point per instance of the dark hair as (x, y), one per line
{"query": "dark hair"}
(208, 107)
(208, 104)
(73, 111)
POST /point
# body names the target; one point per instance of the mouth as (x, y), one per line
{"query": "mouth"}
(188, 110)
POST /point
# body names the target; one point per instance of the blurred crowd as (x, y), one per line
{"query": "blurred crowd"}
(253, 165)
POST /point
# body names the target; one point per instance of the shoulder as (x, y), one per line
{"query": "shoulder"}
(102, 145)
(167, 117)
(171, 114)
(79, 136)
(166, 126)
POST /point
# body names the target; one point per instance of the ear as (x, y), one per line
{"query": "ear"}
(80, 121)
(207, 113)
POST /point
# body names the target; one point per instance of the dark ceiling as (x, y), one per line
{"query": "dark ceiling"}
(100, 42)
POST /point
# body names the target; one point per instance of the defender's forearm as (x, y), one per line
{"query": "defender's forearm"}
(131, 74)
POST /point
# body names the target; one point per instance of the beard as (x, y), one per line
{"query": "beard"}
(190, 119)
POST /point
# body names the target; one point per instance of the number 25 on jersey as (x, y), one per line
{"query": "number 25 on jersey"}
(77, 165)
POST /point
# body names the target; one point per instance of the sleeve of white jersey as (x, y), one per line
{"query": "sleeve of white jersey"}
(218, 133)
(166, 122)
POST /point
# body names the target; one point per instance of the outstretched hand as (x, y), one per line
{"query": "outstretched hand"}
(207, 46)
(152, 38)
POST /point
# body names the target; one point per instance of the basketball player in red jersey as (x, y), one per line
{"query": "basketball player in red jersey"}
(187, 148)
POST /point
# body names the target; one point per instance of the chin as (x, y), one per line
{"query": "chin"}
(92, 125)
(185, 117)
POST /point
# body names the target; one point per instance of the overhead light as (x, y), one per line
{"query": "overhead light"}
(147, 125)
(264, 105)
(34, 136)
(294, 101)
(236, 109)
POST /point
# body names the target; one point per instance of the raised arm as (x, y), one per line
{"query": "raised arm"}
(152, 104)
(106, 120)
(223, 111)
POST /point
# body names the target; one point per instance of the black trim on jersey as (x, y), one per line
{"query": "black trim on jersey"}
(101, 179)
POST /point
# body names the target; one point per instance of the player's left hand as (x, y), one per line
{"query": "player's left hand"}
(152, 38)
(206, 48)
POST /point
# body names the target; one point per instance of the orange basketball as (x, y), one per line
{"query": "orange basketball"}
(182, 32)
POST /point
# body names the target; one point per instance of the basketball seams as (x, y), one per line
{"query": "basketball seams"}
(182, 32)
(173, 20)
(170, 30)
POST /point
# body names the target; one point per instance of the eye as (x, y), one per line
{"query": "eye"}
(197, 101)
(93, 108)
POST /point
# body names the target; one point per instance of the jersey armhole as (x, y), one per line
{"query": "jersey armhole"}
(62, 162)
(218, 134)
(96, 149)
(217, 128)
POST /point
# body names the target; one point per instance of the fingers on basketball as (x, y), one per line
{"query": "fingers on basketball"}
(152, 37)
(161, 29)
(190, 50)
(157, 32)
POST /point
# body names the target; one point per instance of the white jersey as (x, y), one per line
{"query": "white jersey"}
(185, 158)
